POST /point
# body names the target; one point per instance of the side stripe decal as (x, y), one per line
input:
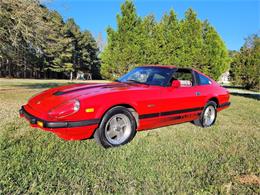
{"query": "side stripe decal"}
(144, 116)
(172, 112)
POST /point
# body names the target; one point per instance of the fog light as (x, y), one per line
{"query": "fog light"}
(40, 123)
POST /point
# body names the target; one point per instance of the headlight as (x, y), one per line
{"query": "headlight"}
(66, 109)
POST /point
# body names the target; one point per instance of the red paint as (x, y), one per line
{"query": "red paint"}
(143, 99)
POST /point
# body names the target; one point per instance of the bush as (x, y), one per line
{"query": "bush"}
(245, 67)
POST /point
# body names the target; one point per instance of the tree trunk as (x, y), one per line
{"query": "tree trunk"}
(71, 76)
(9, 69)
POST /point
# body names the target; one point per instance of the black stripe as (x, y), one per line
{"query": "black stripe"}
(172, 112)
(224, 104)
(181, 111)
(72, 123)
(178, 117)
(57, 93)
(149, 115)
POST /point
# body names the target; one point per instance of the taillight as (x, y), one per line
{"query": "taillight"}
(65, 109)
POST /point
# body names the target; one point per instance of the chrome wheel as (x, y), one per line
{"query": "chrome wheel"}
(118, 129)
(209, 115)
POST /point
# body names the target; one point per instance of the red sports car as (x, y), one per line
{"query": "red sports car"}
(145, 98)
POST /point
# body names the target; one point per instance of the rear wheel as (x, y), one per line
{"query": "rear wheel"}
(117, 127)
(208, 115)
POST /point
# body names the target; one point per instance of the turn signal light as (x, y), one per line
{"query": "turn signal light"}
(89, 110)
(40, 123)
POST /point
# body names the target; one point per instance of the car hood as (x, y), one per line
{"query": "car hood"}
(46, 100)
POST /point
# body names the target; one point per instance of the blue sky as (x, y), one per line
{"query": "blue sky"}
(233, 19)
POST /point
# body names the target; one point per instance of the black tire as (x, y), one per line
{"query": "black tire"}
(100, 133)
(200, 122)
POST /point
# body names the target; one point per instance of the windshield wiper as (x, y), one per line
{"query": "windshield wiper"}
(117, 81)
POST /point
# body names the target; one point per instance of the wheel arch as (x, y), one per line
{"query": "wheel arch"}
(214, 99)
(128, 106)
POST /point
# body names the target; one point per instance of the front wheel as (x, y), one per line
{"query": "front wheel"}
(208, 115)
(117, 127)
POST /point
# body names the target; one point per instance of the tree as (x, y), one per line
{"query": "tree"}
(19, 34)
(89, 51)
(185, 43)
(171, 46)
(245, 67)
(191, 30)
(214, 58)
(121, 53)
(36, 42)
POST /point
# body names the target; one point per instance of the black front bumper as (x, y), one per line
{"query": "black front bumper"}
(57, 124)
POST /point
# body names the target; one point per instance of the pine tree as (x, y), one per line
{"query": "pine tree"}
(146, 41)
(172, 42)
(122, 51)
(214, 57)
(73, 31)
(54, 44)
(35, 42)
(88, 51)
(191, 31)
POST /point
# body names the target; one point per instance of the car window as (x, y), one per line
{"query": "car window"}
(203, 80)
(158, 79)
(185, 78)
(140, 76)
(148, 75)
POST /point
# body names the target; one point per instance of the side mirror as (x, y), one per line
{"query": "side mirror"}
(176, 84)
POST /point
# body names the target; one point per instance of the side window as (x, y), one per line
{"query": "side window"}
(203, 80)
(185, 77)
(157, 79)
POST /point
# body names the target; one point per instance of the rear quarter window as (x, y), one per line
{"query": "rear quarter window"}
(204, 80)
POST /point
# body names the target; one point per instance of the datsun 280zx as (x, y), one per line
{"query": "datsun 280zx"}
(147, 97)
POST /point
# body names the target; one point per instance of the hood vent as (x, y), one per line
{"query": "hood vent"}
(58, 93)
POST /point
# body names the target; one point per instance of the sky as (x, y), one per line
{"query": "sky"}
(233, 19)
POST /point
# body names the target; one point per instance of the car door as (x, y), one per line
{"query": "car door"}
(184, 103)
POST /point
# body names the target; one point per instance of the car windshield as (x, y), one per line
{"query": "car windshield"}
(148, 75)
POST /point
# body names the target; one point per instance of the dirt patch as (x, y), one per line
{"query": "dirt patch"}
(248, 179)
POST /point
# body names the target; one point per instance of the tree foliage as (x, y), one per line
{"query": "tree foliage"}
(37, 42)
(189, 42)
(245, 66)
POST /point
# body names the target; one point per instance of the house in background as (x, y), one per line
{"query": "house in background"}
(224, 78)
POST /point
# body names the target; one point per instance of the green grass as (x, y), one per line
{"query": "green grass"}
(176, 159)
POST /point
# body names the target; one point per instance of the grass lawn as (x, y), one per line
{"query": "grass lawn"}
(176, 159)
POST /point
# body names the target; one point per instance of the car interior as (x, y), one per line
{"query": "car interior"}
(184, 76)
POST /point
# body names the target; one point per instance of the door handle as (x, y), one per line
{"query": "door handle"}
(197, 93)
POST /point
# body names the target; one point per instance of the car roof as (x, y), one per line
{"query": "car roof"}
(170, 66)
(159, 65)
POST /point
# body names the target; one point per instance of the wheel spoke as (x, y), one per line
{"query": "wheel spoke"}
(113, 123)
(112, 133)
(120, 134)
(121, 123)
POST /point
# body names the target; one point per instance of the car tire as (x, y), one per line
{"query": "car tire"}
(208, 116)
(117, 127)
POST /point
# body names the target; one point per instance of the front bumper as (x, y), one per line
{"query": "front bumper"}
(56, 124)
(68, 130)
